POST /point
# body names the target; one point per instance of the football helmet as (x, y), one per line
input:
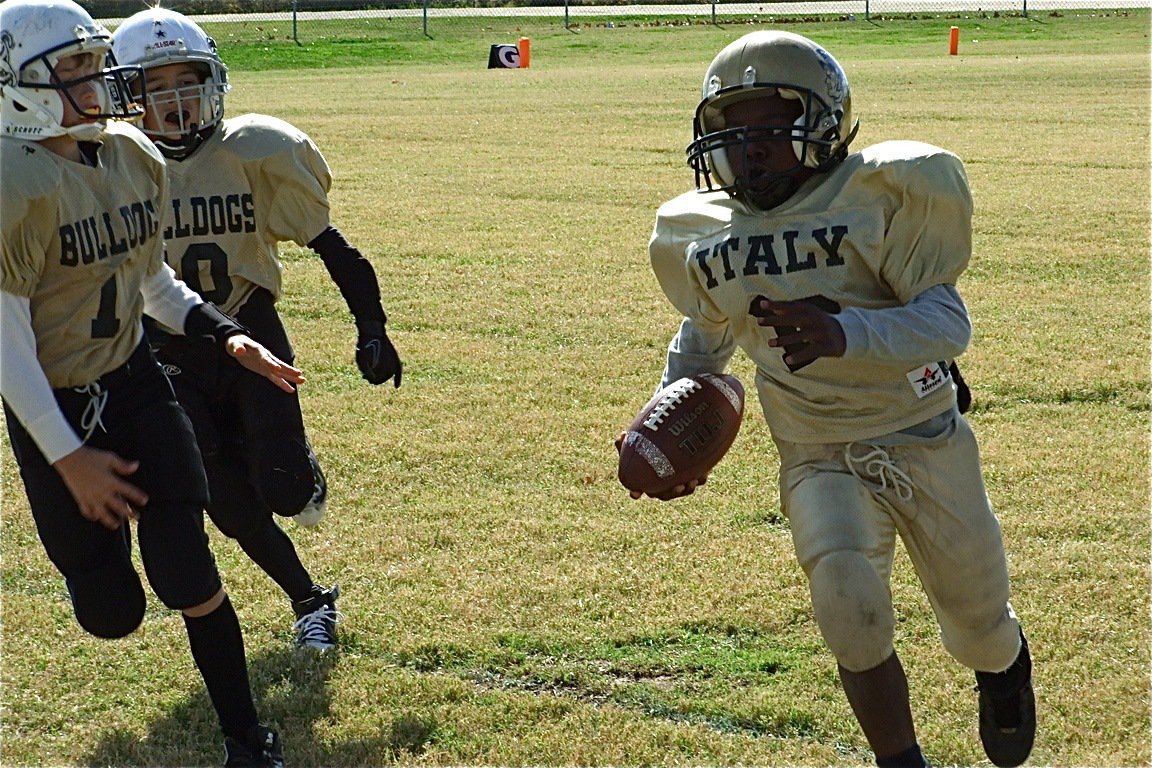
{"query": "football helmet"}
(764, 63)
(156, 37)
(34, 36)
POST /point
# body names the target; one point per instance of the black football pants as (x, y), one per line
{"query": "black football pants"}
(251, 434)
(141, 421)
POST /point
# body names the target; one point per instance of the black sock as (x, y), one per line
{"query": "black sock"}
(909, 758)
(218, 649)
(271, 549)
(1012, 679)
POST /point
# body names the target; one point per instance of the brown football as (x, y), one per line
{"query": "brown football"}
(682, 433)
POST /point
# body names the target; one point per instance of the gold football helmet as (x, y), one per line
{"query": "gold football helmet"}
(771, 63)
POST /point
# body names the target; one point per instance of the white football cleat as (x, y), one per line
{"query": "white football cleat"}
(314, 510)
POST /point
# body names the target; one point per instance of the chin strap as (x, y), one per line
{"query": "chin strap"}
(86, 131)
(187, 144)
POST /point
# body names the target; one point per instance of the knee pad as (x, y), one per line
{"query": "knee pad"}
(177, 559)
(853, 608)
(282, 473)
(108, 603)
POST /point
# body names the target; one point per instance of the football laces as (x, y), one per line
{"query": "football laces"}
(676, 394)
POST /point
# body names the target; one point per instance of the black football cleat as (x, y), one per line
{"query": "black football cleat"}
(1008, 711)
(260, 749)
(316, 619)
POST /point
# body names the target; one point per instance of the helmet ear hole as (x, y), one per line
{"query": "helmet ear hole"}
(721, 168)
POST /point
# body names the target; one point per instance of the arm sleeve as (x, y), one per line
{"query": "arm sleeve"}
(23, 385)
(352, 273)
(704, 342)
(166, 298)
(697, 349)
(174, 304)
(933, 326)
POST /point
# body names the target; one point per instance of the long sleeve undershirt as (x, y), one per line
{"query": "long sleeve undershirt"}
(933, 326)
(23, 384)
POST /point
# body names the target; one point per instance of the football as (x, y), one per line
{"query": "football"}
(682, 433)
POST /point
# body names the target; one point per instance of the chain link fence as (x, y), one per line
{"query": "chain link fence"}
(303, 21)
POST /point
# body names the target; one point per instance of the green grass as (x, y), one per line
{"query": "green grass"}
(370, 42)
(507, 604)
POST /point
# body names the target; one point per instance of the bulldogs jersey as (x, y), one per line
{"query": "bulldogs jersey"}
(255, 182)
(887, 224)
(77, 242)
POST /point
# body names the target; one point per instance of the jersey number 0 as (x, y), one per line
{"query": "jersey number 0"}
(217, 270)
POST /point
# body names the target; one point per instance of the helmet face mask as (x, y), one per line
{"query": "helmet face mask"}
(184, 109)
(46, 72)
(762, 66)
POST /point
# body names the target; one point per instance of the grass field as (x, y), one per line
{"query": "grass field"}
(506, 602)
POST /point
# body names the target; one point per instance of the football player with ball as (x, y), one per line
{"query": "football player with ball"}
(835, 272)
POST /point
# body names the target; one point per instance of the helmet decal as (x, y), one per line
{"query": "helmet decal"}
(835, 81)
(7, 74)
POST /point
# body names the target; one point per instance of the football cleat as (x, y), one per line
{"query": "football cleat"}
(314, 510)
(1008, 716)
(260, 749)
(316, 619)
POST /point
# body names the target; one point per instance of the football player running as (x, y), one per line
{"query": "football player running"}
(97, 433)
(240, 186)
(836, 273)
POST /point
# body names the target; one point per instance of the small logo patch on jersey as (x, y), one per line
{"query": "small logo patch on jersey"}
(927, 378)
(170, 370)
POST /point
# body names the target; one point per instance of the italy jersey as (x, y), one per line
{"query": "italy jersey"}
(256, 182)
(77, 241)
(887, 224)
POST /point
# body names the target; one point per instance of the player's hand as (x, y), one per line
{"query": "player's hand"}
(95, 479)
(680, 490)
(255, 357)
(677, 492)
(376, 358)
(963, 393)
(804, 330)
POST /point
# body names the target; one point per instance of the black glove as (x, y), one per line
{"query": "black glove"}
(963, 394)
(375, 356)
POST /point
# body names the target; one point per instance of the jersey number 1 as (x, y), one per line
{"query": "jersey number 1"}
(106, 324)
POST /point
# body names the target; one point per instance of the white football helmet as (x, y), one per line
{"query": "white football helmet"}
(764, 63)
(156, 37)
(34, 36)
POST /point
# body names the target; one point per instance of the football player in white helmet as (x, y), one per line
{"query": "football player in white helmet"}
(240, 186)
(835, 271)
(95, 429)
(55, 60)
